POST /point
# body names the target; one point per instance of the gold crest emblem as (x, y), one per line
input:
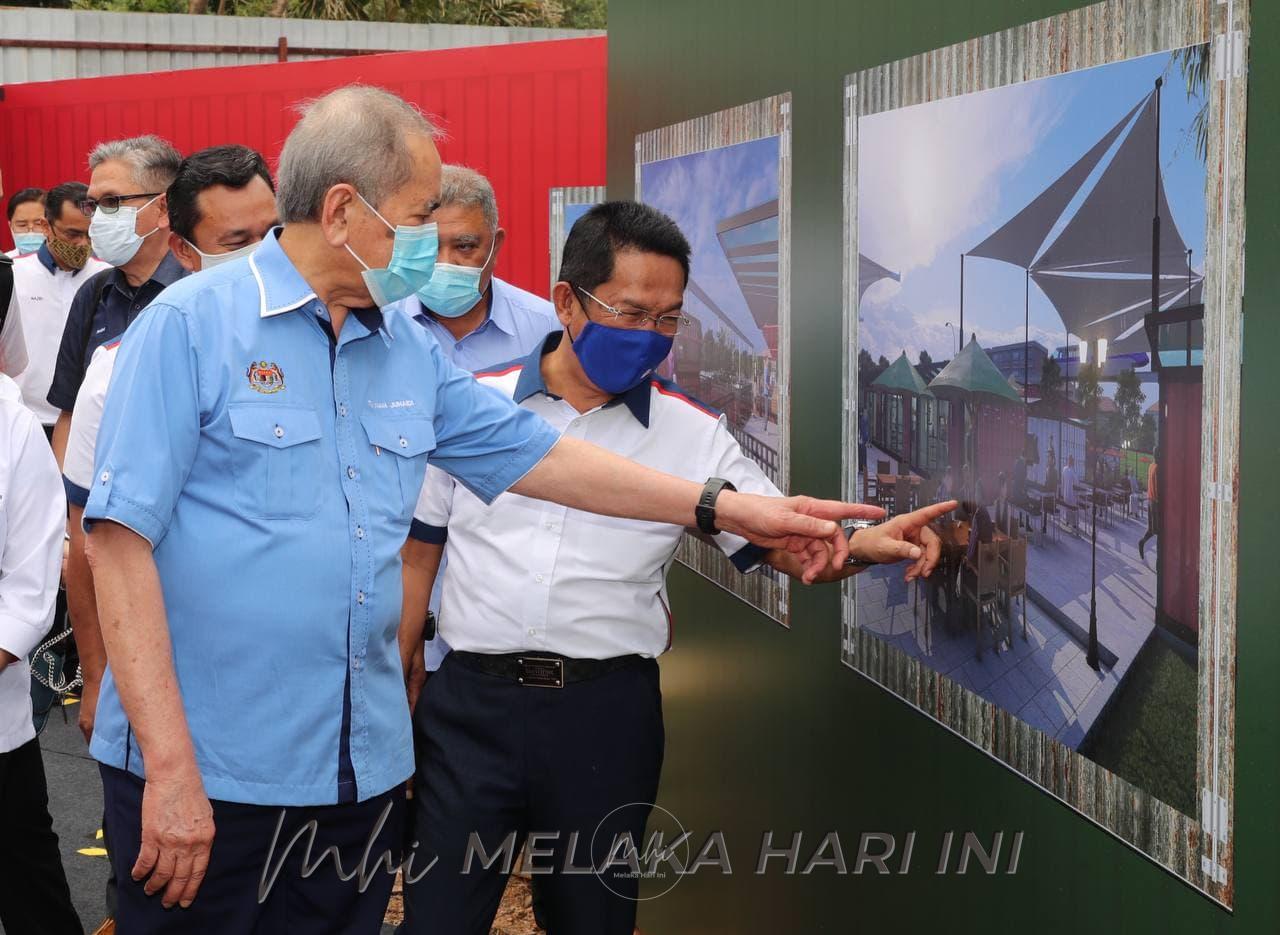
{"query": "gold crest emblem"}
(265, 377)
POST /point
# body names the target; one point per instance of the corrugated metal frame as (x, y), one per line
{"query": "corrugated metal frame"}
(1197, 848)
(556, 233)
(47, 64)
(529, 116)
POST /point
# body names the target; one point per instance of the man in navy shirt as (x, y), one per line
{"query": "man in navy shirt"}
(129, 227)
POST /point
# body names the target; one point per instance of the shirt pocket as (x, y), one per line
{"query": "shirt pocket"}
(400, 447)
(276, 459)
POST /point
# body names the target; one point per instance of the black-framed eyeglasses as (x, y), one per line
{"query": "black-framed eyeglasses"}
(670, 323)
(110, 204)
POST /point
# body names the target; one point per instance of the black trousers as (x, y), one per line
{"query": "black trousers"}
(266, 876)
(34, 897)
(578, 765)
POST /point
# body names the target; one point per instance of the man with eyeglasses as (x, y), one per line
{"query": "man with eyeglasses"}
(46, 283)
(546, 716)
(26, 221)
(129, 226)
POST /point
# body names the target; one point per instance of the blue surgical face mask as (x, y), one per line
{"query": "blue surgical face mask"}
(28, 243)
(454, 290)
(616, 359)
(413, 261)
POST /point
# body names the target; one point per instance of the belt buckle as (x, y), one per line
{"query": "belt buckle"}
(540, 671)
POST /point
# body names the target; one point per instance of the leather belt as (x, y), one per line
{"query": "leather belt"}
(541, 669)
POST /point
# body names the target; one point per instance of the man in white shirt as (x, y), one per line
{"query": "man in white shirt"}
(475, 317)
(34, 896)
(45, 283)
(13, 345)
(546, 716)
(1070, 499)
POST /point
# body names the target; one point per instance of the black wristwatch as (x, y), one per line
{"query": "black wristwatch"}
(705, 511)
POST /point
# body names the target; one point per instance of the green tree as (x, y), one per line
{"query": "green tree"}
(1129, 400)
(573, 14)
(1193, 61)
(925, 359)
(1088, 389)
(1050, 381)
(1146, 440)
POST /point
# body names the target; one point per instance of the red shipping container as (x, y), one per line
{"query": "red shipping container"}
(530, 116)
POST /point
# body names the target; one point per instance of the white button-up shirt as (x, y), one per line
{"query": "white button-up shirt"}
(82, 440)
(32, 522)
(44, 291)
(527, 575)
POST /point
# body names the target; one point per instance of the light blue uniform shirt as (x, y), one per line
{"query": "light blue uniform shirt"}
(517, 324)
(275, 473)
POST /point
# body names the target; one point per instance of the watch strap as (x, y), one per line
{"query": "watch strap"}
(705, 511)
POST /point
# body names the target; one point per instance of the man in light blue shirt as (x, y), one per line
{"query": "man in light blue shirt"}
(263, 443)
(475, 325)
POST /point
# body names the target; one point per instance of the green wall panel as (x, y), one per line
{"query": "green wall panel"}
(766, 730)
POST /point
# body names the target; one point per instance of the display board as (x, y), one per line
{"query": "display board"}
(1042, 320)
(725, 178)
(566, 206)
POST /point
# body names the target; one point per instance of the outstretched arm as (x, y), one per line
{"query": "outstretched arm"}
(586, 477)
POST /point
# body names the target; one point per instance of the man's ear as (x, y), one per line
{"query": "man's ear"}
(162, 205)
(187, 256)
(566, 304)
(335, 213)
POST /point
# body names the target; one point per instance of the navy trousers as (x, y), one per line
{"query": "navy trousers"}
(577, 765)
(251, 843)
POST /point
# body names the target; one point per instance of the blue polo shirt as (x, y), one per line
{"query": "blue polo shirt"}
(275, 470)
(91, 324)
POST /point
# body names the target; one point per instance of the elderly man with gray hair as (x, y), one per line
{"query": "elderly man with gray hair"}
(263, 444)
(129, 229)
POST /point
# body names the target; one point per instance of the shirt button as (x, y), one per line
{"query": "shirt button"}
(404, 443)
(106, 476)
(342, 410)
(537, 578)
(279, 432)
(359, 597)
(355, 664)
(351, 472)
(551, 525)
(359, 532)
(533, 632)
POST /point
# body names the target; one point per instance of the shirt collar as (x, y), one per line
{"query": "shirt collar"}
(46, 258)
(530, 381)
(167, 273)
(281, 287)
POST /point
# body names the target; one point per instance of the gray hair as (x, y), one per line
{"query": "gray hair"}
(154, 161)
(467, 188)
(355, 135)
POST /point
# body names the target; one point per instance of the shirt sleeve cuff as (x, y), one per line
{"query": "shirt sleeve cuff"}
(748, 558)
(103, 504)
(424, 532)
(523, 460)
(75, 493)
(18, 636)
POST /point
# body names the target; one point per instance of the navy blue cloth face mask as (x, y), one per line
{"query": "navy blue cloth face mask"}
(616, 359)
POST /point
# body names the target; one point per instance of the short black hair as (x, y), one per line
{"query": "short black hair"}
(609, 228)
(74, 192)
(26, 196)
(232, 165)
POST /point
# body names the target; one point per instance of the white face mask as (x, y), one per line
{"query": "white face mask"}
(210, 260)
(115, 237)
